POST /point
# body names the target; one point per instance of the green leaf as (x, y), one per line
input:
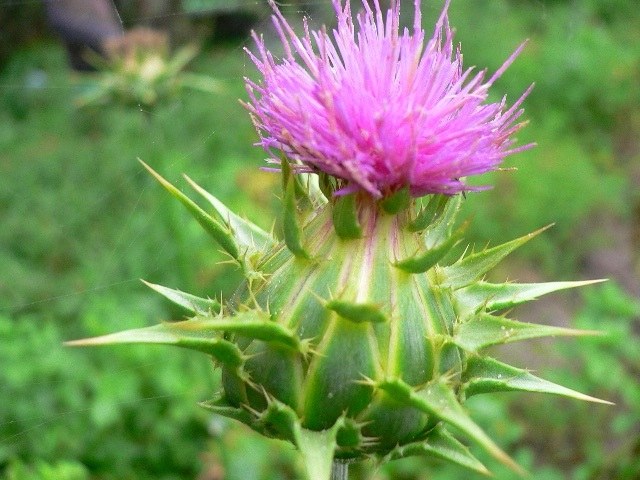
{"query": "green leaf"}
(291, 227)
(197, 305)
(173, 334)
(196, 333)
(180, 60)
(472, 267)
(424, 261)
(484, 330)
(430, 213)
(203, 83)
(500, 296)
(220, 233)
(440, 444)
(439, 400)
(400, 200)
(357, 312)
(486, 375)
(247, 234)
(280, 418)
(95, 95)
(345, 217)
(442, 226)
(315, 194)
(350, 435)
(326, 185)
(249, 324)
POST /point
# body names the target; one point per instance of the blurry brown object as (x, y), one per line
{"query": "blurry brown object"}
(136, 42)
(83, 25)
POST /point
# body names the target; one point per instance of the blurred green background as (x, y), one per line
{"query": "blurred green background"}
(81, 223)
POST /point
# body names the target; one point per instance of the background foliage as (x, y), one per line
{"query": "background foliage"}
(81, 223)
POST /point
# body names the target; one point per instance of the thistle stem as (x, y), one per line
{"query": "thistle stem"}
(339, 470)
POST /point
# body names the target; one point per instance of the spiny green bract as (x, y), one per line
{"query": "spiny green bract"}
(356, 335)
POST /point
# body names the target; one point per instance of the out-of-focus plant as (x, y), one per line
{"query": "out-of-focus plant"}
(610, 366)
(65, 470)
(583, 113)
(50, 411)
(139, 69)
(57, 410)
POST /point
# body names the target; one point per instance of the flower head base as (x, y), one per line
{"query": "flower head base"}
(378, 108)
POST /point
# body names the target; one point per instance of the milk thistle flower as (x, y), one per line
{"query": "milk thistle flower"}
(378, 108)
(361, 331)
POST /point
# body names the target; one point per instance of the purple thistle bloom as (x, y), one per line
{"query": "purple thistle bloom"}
(379, 109)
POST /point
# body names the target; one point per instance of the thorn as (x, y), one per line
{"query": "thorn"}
(246, 378)
(320, 299)
(270, 400)
(367, 381)
(252, 411)
(246, 357)
(306, 348)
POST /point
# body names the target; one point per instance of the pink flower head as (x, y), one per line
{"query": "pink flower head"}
(378, 108)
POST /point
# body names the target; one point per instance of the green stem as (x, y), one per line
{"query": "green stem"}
(339, 470)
